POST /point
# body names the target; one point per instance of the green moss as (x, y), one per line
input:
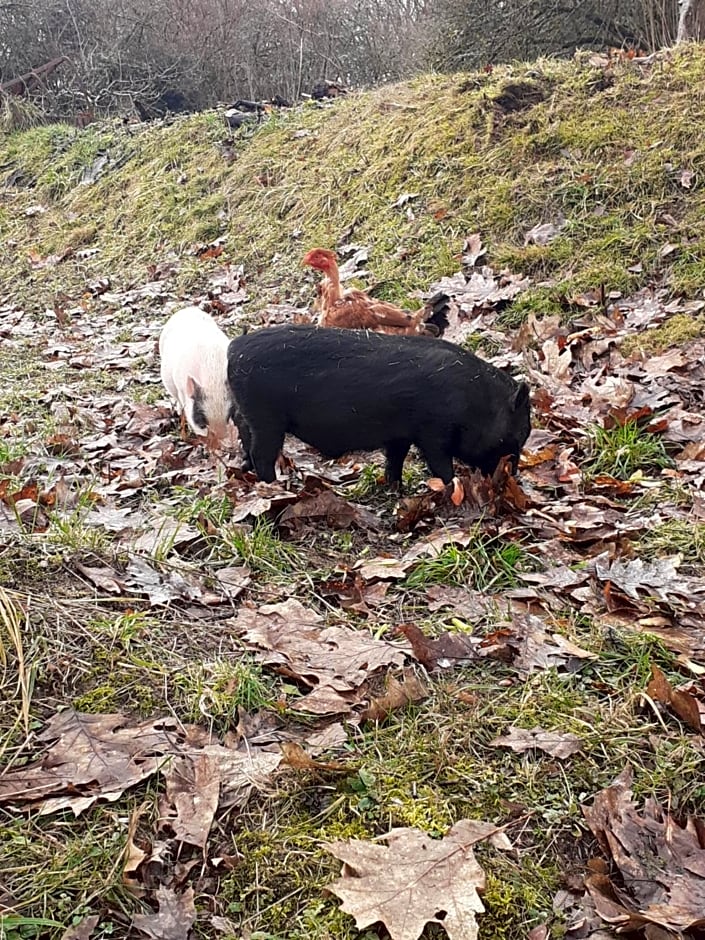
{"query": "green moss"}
(101, 699)
(517, 898)
(676, 331)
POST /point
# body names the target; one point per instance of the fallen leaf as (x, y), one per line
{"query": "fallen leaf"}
(556, 743)
(191, 798)
(174, 918)
(82, 930)
(539, 648)
(382, 568)
(334, 661)
(331, 736)
(544, 233)
(407, 882)
(557, 360)
(134, 857)
(658, 578)
(107, 579)
(295, 756)
(689, 706)
(164, 535)
(463, 601)
(397, 694)
(326, 506)
(661, 861)
(446, 650)
(92, 757)
(472, 249)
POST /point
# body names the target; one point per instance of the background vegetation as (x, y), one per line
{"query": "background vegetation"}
(187, 54)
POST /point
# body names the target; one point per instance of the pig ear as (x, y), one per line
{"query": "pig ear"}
(192, 387)
(521, 396)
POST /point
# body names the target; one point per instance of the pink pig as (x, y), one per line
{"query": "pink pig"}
(194, 363)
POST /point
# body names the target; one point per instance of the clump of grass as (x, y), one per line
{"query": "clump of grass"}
(488, 564)
(72, 532)
(68, 862)
(11, 450)
(623, 450)
(677, 536)
(209, 508)
(215, 690)
(260, 547)
(18, 114)
(677, 331)
(367, 483)
(16, 673)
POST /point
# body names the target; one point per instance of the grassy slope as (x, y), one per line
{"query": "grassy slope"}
(605, 149)
(475, 167)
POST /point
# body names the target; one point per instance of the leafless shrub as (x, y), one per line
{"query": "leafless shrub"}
(472, 33)
(184, 54)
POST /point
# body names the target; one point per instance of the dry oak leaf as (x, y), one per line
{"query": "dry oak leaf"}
(83, 930)
(174, 919)
(538, 648)
(382, 568)
(333, 661)
(687, 701)
(472, 249)
(397, 694)
(658, 578)
(661, 861)
(92, 757)
(556, 743)
(446, 650)
(414, 880)
(191, 798)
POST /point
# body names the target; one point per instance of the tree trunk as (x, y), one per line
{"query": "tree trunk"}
(691, 23)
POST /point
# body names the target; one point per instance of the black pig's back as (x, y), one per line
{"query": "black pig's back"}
(343, 390)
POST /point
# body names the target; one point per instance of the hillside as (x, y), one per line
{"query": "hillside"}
(610, 150)
(484, 698)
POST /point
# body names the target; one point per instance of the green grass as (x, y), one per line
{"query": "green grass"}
(69, 864)
(623, 450)
(489, 564)
(475, 168)
(677, 536)
(259, 547)
(433, 764)
(215, 691)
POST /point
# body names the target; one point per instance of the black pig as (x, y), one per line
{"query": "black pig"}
(344, 390)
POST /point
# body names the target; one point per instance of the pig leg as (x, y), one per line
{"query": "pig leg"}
(395, 453)
(245, 435)
(439, 463)
(246, 441)
(264, 452)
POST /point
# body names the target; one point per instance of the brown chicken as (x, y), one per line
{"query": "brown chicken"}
(354, 309)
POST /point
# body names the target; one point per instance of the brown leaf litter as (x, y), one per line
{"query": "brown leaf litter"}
(660, 863)
(560, 744)
(97, 757)
(415, 880)
(333, 661)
